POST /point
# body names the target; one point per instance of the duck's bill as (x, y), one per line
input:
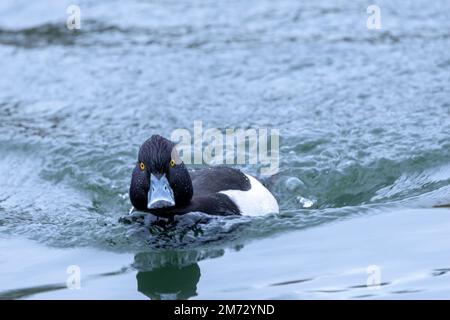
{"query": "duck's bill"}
(160, 194)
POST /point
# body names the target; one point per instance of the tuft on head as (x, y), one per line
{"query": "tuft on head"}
(155, 153)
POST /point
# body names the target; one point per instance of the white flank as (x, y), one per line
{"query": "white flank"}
(255, 202)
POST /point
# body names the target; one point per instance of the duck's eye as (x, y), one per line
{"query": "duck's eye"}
(172, 163)
(142, 166)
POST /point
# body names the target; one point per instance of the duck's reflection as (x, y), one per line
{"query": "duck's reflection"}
(169, 283)
(170, 274)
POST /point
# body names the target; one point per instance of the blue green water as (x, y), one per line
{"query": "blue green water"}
(364, 118)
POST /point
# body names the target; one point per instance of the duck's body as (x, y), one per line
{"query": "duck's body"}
(224, 190)
(216, 190)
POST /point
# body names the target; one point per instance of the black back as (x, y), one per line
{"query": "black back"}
(216, 179)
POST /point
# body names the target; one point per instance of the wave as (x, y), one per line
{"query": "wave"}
(65, 205)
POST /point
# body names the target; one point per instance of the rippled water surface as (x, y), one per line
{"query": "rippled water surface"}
(364, 118)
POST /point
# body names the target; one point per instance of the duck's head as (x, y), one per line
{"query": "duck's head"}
(160, 179)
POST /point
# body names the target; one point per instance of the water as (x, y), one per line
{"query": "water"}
(365, 143)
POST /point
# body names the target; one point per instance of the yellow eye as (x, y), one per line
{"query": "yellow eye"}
(172, 163)
(142, 166)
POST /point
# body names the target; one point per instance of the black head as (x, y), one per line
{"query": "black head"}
(160, 179)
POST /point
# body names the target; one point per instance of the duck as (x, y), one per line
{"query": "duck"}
(162, 185)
